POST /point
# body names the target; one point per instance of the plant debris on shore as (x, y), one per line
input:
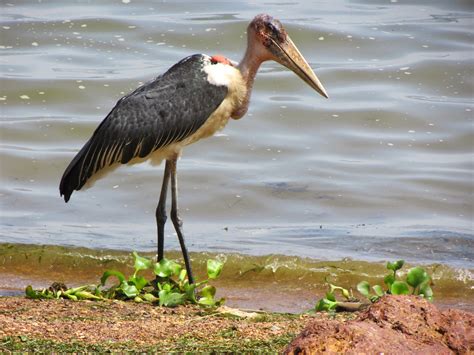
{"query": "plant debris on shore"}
(68, 326)
(393, 324)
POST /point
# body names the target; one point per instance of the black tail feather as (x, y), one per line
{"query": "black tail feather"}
(72, 178)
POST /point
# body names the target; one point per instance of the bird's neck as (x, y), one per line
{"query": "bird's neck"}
(248, 67)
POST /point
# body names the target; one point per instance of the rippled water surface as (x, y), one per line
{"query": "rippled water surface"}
(381, 170)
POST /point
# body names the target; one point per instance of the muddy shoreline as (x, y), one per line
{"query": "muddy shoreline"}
(64, 326)
(68, 326)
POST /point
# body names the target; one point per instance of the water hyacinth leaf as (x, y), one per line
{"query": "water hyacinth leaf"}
(320, 306)
(389, 280)
(30, 293)
(399, 288)
(175, 267)
(364, 288)
(166, 286)
(189, 291)
(330, 296)
(149, 297)
(207, 296)
(333, 288)
(109, 273)
(171, 299)
(166, 268)
(72, 297)
(138, 281)
(346, 294)
(374, 298)
(71, 291)
(87, 295)
(378, 290)
(129, 290)
(214, 268)
(219, 302)
(208, 291)
(417, 276)
(396, 265)
(206, 301)
(141, 263)
(182, 275)
(426, 292)
(325, 305)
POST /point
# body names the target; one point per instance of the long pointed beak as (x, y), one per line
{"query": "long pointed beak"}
(288, 55)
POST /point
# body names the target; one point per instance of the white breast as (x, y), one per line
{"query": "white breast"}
(221, 75)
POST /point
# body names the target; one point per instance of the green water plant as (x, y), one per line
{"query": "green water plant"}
(417, 282)
(330, 303)
(170, 287)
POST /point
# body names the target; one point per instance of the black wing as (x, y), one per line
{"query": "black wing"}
(163, 111)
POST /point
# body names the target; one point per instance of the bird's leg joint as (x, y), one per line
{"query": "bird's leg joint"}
(176, 219)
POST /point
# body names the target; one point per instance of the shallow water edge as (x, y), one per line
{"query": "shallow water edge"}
(269, 282)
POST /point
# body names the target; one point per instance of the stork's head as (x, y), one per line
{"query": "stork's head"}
(271, 42)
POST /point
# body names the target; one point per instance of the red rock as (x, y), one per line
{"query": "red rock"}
(393, 325)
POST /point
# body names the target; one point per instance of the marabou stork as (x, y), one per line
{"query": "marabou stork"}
(194, 99)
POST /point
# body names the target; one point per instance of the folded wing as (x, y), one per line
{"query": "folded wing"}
(164, 111)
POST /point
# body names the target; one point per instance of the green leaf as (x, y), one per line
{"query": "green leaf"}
(330, 296)
(364, 288)
(206, 301)
(166, 286)
(171, 299)
(208, 291)
(207, 296)
(30, 293)
(417, 276)
(333, 288)
(325, 305)
(149, 297)
(109, 273)
(389, 280)
(378, 290)
(166, 268)
(182, 275)
(86, 295)
(426, 292)
(138, 281)
(399, 288)
(189, 290)
(72, 291)
(396, 265)
(320, 306)
(72, 297)
(129, 290)
(346, 294)
(214, 268)
(141, 263)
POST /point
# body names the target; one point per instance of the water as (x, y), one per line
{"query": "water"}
(271, 282)
(382, 170)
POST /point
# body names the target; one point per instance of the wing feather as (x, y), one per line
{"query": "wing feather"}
(166, 110)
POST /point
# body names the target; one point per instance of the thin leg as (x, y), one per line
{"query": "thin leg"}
(177, 222)
(161, 211)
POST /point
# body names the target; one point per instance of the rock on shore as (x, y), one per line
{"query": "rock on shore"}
(393, 325)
